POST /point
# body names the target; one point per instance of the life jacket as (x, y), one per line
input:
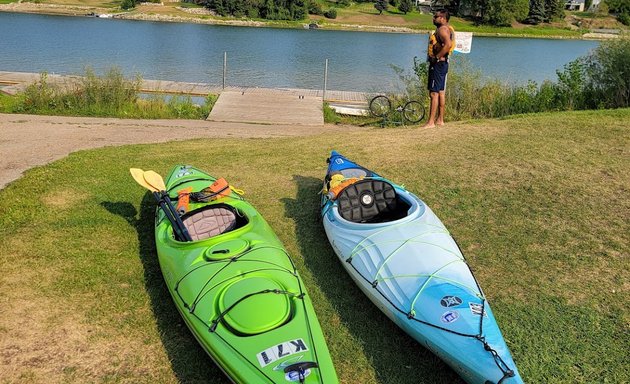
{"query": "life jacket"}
(220, 188)
(183, 200)
(435, 45)
(337, 184)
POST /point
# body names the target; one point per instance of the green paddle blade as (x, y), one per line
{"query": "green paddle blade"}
(155, 180)
(138, 176)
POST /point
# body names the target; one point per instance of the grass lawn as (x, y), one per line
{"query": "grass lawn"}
(539, 204)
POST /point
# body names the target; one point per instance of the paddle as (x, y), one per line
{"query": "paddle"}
(155, 180)
(138, 176)
(141, 177)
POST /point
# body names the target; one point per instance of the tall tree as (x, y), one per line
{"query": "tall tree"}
(536, 12)
(380, 5)
(503, 12)
(554, 10)
(404, 6)
(619, 6)
(453, 6)
(477, 8)
(268, 9)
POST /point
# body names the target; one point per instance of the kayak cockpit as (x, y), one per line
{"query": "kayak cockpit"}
(213, 220)
(371, 201)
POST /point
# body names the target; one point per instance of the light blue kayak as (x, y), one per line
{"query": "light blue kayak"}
(404, 259)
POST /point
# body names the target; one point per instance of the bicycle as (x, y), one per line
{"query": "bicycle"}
(412, 111)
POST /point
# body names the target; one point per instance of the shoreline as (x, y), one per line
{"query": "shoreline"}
(204, 18)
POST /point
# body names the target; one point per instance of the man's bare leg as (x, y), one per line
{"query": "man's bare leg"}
(433, 108)
(442, 107)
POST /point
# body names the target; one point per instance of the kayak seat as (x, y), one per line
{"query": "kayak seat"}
(371, 201)
(211, 220)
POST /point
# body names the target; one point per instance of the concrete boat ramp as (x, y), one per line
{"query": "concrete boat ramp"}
(284, 106)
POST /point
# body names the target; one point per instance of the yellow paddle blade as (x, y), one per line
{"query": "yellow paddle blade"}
(138, 176)
(155, 180)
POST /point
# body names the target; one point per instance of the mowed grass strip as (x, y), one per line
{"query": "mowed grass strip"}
(538, 203)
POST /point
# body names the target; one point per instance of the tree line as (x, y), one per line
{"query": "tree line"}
(491, 12)
(264, 9)
(504, 12)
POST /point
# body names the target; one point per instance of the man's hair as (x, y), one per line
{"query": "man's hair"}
(445, 13)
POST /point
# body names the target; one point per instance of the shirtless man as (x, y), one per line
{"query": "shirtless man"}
(440, 44)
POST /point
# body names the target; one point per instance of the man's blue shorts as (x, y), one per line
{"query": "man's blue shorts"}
(437, 76)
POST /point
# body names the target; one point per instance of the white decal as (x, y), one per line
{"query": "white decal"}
(449, 317)
(476, 309)
(182, 174)
(295, 376)
(279, 351)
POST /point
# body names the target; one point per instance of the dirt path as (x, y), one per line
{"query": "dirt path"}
(27, 141)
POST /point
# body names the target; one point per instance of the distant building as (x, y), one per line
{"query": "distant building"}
(574, 5)
(594, 5)
(579, 5)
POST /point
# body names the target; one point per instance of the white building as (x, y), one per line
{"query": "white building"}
(574, 5)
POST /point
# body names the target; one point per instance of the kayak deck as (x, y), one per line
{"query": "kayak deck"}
(413, 270)
(238, 290)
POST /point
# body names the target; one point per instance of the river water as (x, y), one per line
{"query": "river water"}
(262, 57)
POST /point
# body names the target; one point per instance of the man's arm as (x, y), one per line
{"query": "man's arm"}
(445, 36)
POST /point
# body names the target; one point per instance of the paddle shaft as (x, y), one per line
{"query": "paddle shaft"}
(178, 227)
(178, 220)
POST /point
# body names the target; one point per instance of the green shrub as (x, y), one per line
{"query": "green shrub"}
(331, 13)
(9, 104)
(127, 4)
(109, 96)
(39, 95)
(608, 75)
(111, 92)
(330, 116)
(405, 6)
(599, 80)
(548, 96)
(380, 6)
(314, 8)
(571, 87)
(619, 6)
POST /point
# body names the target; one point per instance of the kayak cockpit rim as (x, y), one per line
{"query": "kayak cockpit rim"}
(211, 221)
(414, 207)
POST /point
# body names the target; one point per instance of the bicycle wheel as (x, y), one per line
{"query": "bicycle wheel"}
(413, 111)
(380, 106)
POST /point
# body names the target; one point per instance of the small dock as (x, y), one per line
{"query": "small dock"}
(235, 103)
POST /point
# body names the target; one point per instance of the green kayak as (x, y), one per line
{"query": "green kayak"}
(234, 283)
